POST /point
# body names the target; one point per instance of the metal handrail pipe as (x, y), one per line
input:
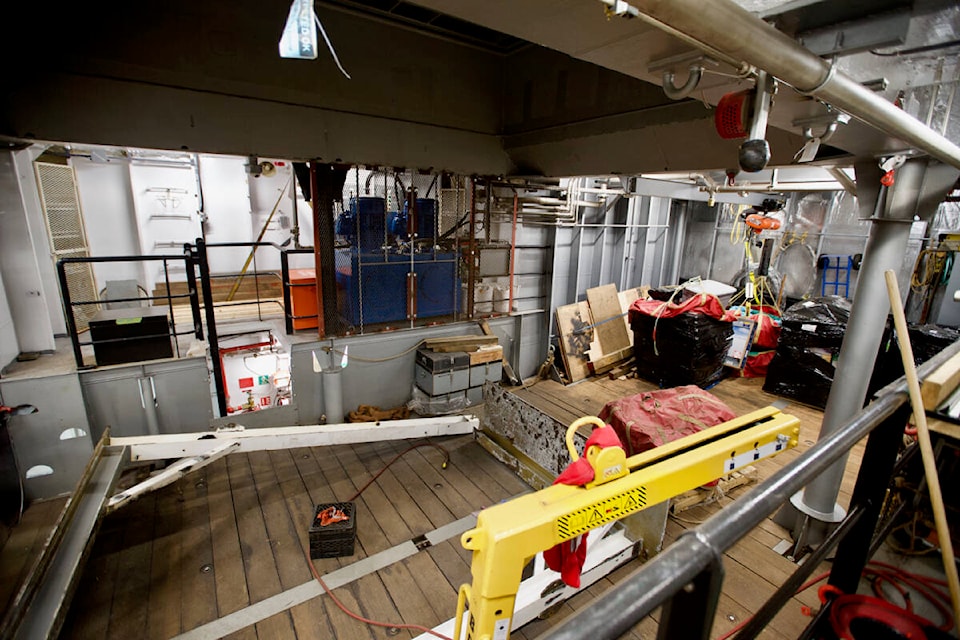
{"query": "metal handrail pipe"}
(156, 258)
(670, 571)
(246, 244)
(726, 26)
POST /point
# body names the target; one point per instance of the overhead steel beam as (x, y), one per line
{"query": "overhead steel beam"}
(725, 26)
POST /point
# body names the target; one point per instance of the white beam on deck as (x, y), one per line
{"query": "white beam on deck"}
(181, 445)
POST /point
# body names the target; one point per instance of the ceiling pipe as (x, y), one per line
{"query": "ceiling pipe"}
(723, 25)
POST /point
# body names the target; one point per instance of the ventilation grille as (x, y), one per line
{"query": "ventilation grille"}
(68, 239)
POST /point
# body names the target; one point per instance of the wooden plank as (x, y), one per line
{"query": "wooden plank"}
(608, 362)
(454, 487)
(575, 337)
(89, 615)
(379, 505)
(163, 617)
(259, 565)
(286, 536)
(627, 298)
(439, 593)
(279, 485)
(368, 595)
(508, 372)
(941, 383)
(24, 545)
(131, 598)
(376, 600)
(414, 607)
(229, 576)
(407, 508)
(433, 508)
(198, 596)
(605, 305)
(486, 354)
(309, 619)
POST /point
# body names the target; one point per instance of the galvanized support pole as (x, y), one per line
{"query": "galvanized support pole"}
(918, 189)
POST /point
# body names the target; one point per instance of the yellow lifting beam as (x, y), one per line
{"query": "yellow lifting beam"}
(508, 535)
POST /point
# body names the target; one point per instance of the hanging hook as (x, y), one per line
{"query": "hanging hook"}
(672, 91)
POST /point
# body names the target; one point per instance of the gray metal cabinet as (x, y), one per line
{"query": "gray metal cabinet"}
(182, 392)
(52, 447)
(162, 397)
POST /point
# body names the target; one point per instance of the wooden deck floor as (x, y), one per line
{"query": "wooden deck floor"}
(235, 533)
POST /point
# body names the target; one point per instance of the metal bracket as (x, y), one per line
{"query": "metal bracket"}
(830, 122)
(694, 61)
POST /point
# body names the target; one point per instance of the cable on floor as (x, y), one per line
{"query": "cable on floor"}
(878, 573)
(359, 618)
(329, 592)
(446, 462)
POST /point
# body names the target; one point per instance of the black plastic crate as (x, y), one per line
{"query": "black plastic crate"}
(336, 539)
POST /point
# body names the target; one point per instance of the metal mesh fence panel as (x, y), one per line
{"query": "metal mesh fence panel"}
(68, 238)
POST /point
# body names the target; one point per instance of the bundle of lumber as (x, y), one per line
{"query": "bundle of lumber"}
(595, 334)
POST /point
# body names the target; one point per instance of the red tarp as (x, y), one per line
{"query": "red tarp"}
(705, 303)
(654, 418)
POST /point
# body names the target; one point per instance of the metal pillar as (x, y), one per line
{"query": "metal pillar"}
(326, 186)
(813, 511)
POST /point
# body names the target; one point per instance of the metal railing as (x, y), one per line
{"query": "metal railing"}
(686, 579)
(189, 260)
(196, 266)
(289, 311)
(256, 275)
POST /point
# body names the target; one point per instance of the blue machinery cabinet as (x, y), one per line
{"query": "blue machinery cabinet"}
(378, 283)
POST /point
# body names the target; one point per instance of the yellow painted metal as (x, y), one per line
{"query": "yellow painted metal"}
(608, 464)
(508, 535)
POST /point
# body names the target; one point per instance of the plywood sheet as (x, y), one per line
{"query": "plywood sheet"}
(604, 305)
(627, 298)
(573, 321)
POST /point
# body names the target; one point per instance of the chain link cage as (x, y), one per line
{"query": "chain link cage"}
(398, 237)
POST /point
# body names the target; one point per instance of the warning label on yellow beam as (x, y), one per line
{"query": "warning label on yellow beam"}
(592, 516)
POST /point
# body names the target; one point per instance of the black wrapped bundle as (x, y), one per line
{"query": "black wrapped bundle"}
(686, 349)
(928, 340)
(820, 322)
(812, 333)
(800, 373)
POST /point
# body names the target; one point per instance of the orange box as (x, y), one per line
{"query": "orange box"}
(303, 297)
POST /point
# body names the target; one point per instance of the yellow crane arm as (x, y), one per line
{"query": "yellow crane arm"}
(508, 535)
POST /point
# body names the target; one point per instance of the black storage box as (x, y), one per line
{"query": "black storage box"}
(130, 335)
(336, 539)
(436, 362)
